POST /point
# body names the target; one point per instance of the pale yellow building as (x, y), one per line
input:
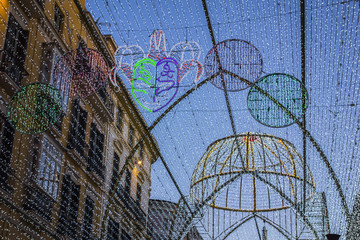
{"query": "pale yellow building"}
(57, 184)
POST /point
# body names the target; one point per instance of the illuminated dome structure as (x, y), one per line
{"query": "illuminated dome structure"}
(233, 162)
(252, 178)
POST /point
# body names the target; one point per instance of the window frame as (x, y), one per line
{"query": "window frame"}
(49, 167)
(59, 19)
(119, 118)
(131, 136)
(138, 193)
(88, 225)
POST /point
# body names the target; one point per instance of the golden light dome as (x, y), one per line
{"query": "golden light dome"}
(251, 172)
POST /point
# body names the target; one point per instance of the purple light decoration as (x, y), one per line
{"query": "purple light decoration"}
(167, 80)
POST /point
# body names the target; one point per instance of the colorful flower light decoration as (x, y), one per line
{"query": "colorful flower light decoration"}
(157, 61)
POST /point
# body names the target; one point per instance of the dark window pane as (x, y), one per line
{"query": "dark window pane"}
(58, 19)
(77, 128)
(127, 181)
(6, 144)
(69, 208)
(14, 54)
(115, 174)
(88, 218)
(119, 119)
(125, 235)
(113, 230)
(95, 156)
(131, 136)
(138, 194)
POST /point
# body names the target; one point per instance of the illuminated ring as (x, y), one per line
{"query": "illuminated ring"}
(287, 91)
(238, 57)
(35, 108)
(84, 69)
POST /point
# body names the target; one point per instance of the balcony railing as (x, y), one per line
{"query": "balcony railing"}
(131, 204)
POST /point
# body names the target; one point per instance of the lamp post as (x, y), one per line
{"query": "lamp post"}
(333, 236)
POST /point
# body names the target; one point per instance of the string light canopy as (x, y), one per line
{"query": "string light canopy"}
(235, 56)
(84, 69)
(35, 108)
(224, 172)
(280, 90)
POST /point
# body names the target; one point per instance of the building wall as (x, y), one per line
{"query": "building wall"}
(22, 215)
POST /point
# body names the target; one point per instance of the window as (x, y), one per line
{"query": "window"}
(95, 155)
(14, 53)
(69, 208)
(119, 119)
(6, 144)
(88, 219)
(125, 235)
(51, 58)
(49, 168)
(131, 136)
(77, 128)
(113, 230)
(141, 151)
(58, 19)
(127, 181)
(115, 174)
(138, 194)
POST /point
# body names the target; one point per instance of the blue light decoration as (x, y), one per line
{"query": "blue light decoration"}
(35, 108)
(154, 85)
(277, 100)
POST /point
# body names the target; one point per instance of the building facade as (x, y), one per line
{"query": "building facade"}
(161, 215)
(68, 182)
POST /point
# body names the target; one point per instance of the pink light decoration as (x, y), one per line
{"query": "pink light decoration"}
(84, 69)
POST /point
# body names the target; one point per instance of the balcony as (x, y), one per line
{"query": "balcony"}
(131, 204)
(103, 105)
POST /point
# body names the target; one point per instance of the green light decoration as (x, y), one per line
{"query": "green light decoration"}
(286, 91)
(35, 108)
(143, 77)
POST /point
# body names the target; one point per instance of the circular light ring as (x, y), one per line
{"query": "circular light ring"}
(35, 108)
(288, 92)
(229, 162)
(84, 69)
(238, 57)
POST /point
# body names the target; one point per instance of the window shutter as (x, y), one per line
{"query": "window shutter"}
(6, 151)
(127, 181)
(113, 230)
(88, 218)
(15, 49)
(73, 124)
(82, 130)
(115, 173)
(69, 208)
(91, 154)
